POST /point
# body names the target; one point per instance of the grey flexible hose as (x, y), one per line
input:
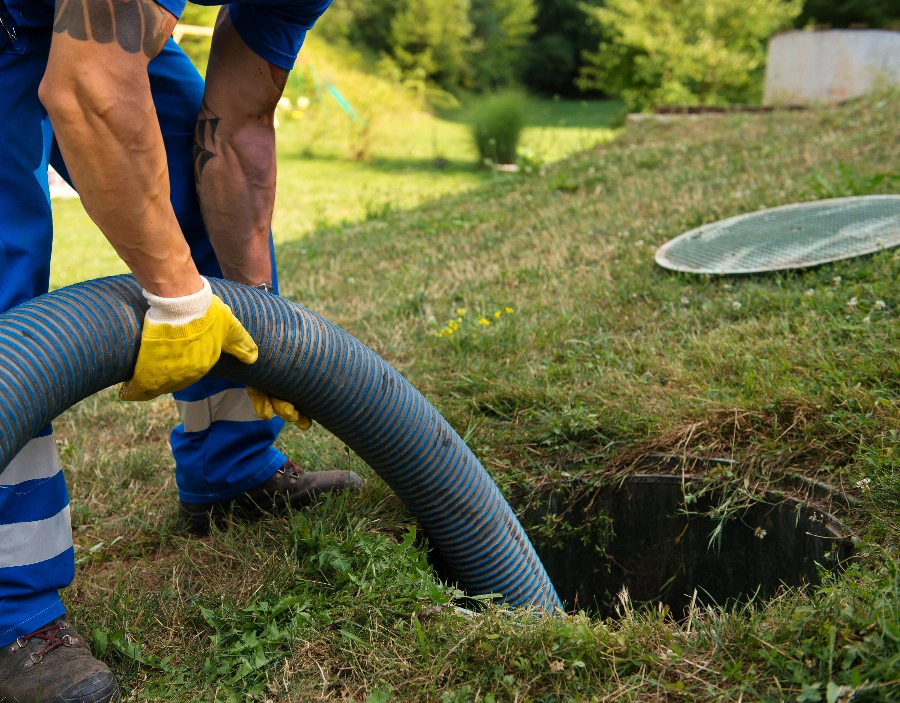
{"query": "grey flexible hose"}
(66, 345)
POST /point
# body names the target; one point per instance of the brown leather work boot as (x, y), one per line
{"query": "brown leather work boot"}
(290, 485)
(54, 665)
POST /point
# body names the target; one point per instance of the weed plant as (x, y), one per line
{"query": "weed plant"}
(607, 359)
(496, 123)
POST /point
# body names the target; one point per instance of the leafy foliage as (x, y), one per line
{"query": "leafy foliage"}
(563, 33)
(431, 37)
(501, 29)
(844, 13)
(478, 44)
(663, 52)
(496, 124)
(348, 561)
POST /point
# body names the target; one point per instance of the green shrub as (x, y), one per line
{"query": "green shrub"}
(496, 123)
(689, 52)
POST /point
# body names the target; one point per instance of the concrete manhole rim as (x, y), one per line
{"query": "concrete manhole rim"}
(663, 260)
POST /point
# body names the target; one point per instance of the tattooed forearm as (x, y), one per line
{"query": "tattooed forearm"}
(279, 75)
(204, 141)
(137, 25)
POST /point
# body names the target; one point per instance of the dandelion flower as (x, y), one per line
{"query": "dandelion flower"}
(498, 314)
(736, 305)
(880, 305)
(460, 311)
(453, 325)
(483, 321)
(509, 311)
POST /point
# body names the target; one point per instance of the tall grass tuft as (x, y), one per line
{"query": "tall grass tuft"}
(496, 123)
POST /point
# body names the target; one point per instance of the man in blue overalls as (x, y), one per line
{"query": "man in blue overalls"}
(180, 177)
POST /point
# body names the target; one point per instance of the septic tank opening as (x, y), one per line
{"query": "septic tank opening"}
(640, 538)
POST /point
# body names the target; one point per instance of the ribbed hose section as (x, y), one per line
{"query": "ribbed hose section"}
(69, 344)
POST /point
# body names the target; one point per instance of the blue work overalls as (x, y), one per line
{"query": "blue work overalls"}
(221, 448)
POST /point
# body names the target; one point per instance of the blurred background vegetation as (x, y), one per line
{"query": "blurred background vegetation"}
(396, 102)
(643, 51)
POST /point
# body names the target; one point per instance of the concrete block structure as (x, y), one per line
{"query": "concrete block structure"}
(830, 66)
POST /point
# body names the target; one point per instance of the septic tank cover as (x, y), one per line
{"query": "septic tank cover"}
(787, 237)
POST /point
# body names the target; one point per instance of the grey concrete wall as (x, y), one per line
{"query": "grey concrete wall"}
(805, 68)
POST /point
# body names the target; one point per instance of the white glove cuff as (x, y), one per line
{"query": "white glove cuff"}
(179, 311)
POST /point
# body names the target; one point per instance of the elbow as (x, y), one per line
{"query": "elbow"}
(61, 100)
(74, 98)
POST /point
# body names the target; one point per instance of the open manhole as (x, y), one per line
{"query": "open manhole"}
(640, 536)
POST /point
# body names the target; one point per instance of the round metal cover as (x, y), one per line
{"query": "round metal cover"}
(787, 237)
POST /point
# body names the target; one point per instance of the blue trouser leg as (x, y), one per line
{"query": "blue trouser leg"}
(229, 454)
(221, 448)
(36, 554)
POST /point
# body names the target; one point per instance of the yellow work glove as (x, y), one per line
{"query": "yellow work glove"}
(182, 339)
(266, 406)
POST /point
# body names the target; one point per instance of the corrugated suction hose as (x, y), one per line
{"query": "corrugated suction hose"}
(66, 345)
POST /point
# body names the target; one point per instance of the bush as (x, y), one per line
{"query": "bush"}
(496, 124)
(665, 52)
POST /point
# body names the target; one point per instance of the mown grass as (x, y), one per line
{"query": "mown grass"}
(415, 157)
(604, 359)
(410, 155)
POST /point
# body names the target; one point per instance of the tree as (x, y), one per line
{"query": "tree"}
(501, 29)
(563, 33)
(843, 13)
(432, 37)
(684, 51)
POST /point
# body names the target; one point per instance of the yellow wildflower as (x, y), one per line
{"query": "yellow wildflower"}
(482, 321)
(509, 311)
(460, 311)
(453, 325)
(498, 314)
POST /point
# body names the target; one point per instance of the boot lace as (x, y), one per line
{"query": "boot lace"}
(50, 635)
(291, 469)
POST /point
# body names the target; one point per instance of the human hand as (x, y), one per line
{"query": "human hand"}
(266, 407)
(182, 340)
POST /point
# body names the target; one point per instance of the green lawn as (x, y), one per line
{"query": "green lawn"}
(605, 359)
(326, 188)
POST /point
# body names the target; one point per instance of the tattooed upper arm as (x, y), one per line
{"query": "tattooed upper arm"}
(137, 25)
(279, 75)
